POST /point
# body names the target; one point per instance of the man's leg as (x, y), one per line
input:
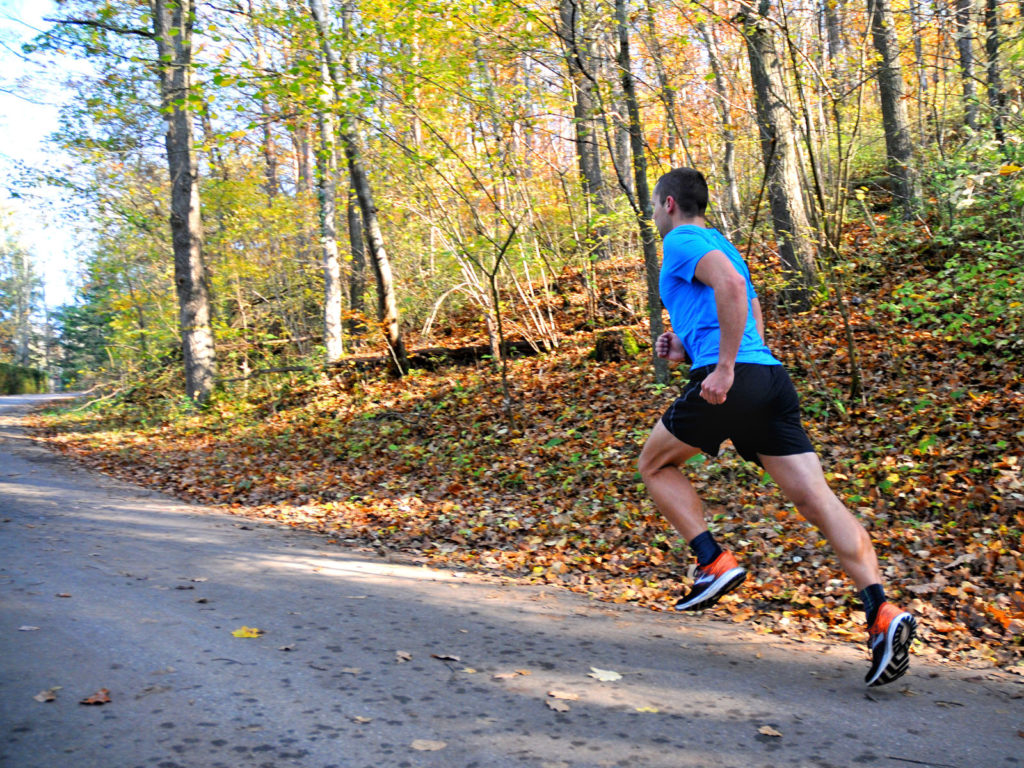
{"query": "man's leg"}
(890, 630)
(802, 481)
(660, 461)
(672, 492)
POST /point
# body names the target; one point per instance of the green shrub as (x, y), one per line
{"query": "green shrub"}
(18, 380)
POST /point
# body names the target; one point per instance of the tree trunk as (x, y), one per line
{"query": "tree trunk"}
(357, 279)
(172, 26)
(899, 147)
(269, 148)
(303, 156)
(994, 80)
(641, 201)
(387, 304)
(731, 206)
(833, 28)
(965, 47)
(327, 196)
(781, 161)
(578, 58)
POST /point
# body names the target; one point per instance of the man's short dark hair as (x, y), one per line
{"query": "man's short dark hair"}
(687, 187)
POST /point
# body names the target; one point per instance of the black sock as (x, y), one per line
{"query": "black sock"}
(705, 548)
(872, 596)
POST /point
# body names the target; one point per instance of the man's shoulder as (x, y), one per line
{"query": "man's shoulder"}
(689, 240)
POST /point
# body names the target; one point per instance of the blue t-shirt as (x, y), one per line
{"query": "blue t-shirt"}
(691, 303)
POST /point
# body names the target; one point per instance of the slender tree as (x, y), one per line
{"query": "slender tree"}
(578, 58)
(965, 49)
(899, 146)
(327, 195)
(993, 71)
(641, 199)
(172, 31)
(387, 304)
(779, 150)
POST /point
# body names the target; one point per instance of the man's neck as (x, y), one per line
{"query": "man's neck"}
(694, 221)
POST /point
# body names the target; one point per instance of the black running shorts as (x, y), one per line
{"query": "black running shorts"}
(761, 414)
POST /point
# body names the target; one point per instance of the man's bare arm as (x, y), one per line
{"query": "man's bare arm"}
(730, 287)
(758, 317)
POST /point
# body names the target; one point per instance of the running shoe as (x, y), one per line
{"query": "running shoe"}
(713, 581)
(889, 640)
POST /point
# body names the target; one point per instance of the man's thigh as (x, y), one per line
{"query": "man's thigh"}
(664, 449)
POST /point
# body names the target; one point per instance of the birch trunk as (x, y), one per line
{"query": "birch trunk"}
(327, 196)
(387, 304)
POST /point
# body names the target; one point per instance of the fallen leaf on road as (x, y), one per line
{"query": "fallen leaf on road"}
(63, 594)
(767, 730)
(102, 696)
(27, 629)
(47, 695)
(444, 657)
(286, 648)
(651, 711)
(247, 632)
(402, 656)
(469, 670)
(558, 706)
(505, 675)
(604, 675)
(350, 670)
(564, 695)
(361, 720)
(425, 745)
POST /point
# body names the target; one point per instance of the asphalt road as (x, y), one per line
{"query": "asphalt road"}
(107, 586)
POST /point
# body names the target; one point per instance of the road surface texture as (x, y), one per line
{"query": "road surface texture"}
(367, 662)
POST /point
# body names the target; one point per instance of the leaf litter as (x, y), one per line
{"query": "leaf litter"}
(931, 462)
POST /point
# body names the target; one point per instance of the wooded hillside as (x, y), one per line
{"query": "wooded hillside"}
(358, 180)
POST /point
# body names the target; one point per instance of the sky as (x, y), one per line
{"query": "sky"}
(30, 98)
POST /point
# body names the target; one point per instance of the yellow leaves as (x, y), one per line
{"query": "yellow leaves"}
(767, 730)
(1011, 168)
(247, 632)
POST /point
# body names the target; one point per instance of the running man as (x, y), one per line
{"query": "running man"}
(739, 391)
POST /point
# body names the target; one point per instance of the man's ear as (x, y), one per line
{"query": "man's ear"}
(670, 204)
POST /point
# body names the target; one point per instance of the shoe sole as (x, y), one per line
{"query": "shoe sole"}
(894, 666)
(720, 589)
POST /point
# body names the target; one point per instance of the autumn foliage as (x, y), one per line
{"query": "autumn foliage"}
(430, 467)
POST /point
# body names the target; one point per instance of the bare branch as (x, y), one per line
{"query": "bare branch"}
(148, 34)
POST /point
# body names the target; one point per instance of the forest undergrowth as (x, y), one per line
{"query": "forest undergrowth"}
(431, 468)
